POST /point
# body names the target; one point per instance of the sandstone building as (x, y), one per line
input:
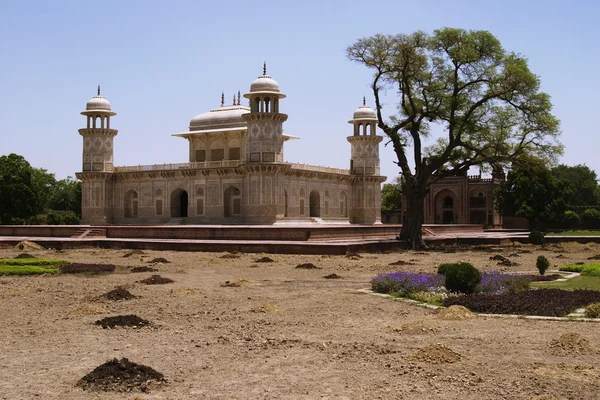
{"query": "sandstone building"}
(236, 172)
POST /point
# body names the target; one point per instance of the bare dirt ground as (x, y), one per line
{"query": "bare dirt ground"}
(233, 328)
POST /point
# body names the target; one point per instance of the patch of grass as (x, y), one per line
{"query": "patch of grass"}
(40, 262)
(578, 282)
(26, 270)
(574, 233)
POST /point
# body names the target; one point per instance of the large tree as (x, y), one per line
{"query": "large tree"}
(534, 192)
(485, 100)
(581, 181)
(18, 199)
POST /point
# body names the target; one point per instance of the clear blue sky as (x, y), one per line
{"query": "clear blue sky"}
(162, 62)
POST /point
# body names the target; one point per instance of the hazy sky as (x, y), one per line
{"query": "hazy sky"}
(162, 62)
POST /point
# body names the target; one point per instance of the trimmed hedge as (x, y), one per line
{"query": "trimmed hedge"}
(462, 277)
(545, 302)
(33, 261)
(584, 269)
(6, 270)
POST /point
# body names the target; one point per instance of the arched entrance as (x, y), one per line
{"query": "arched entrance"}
(232, 202)
(131, 204)
(445, 207)
(315, 204)
(179, 204)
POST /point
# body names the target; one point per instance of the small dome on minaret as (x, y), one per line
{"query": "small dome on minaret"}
(97, 103)
(265, 85)
(364, 112)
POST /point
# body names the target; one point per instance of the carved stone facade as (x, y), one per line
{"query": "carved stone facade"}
(461, 200)
(236, 172)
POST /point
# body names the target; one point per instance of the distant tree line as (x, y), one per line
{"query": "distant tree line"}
(561, 197)
(31, 195)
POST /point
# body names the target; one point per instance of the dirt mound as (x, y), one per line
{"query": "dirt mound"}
(121, 376)
(156, 280)
(88, 309)
(81, 268)
(570, 344)
(353, 255)
(332, 276)
(416, 328)
(133, 252)
(24, 255)
(238, 283)
(455, 313)
(508, 263)
(128, 321)
(498, 257)
(437, 354)
(25, 245)
(400, 262)
(143, 269)
(307, 266)
(231, 255)
(159, 260)
(264, 260)
(118, 293)
(596, 257)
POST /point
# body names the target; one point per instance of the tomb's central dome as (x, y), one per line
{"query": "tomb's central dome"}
(222, 117)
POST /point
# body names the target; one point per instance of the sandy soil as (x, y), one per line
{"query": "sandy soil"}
(277, 332)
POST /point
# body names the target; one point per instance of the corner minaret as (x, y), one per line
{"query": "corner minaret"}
(97, 166)
(364, 167)
(264, 141)
(98, 136)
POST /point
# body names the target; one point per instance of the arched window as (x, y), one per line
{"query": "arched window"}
(326, 202)
(285, 203)
(131, 204)
(477, 199)
(158, 202)
(343, 205)
(302, 201)
(200, 201)
(315, 204)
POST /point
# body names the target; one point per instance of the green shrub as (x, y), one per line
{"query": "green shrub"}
(593, 310)
(442, 268)
(26, 270)
(70, 218)
(39, 219)
(591, 215)
(571, 218)
(572, 268)
(591, 270)
(537, 237)
(462, 277)
(17, 221)
(518, 284)
(55, 218)
(542, 264)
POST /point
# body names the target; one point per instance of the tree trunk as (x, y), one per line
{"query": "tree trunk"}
(413, 222)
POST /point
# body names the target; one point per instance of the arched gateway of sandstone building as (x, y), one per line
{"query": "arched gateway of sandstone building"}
(236, 172)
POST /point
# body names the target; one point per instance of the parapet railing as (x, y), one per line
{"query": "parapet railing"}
(190, 165)
(319, 168)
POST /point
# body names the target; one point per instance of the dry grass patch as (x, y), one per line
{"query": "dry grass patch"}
(88, 309)
(184, 292)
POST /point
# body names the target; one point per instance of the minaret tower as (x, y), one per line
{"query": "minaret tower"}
(364, 167)
(97, 136)
(264, 141)
(263, 200)
(97, 166)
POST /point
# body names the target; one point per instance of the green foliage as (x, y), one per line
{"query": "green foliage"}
(42, 184)
(462, 277)
(578, 282)
(40, 219)
(532, 192)
(593, 310)
(391, 195)
(574, 233)
(66, 196)
(580, 181)
(40, 262)
(542, 264)
(572, 268)
(26, 270)
(591, 215)
(537, 238)
(571, 218)
(63, 218)
(442, 268)
(486, 99)
(591, 270)
(518, 284)
(17, 194)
